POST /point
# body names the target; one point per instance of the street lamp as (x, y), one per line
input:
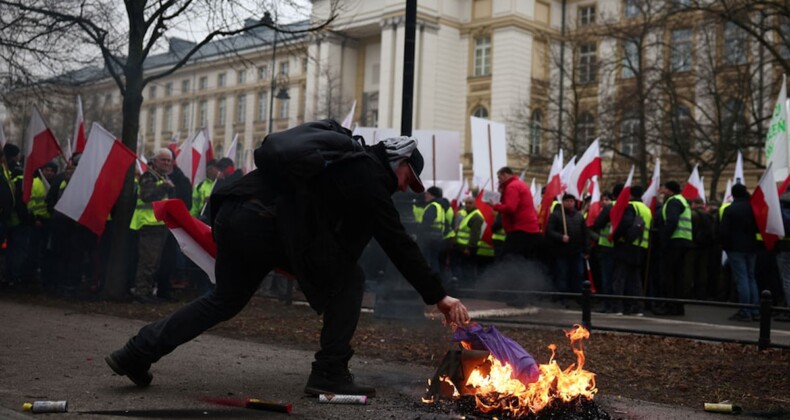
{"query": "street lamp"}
(282, 94)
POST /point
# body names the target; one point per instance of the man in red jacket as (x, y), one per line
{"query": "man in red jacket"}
(519, 218)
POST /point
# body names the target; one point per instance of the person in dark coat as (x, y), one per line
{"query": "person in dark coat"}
(675, 240)
(569, 244)
(738, 232)
(318, 233)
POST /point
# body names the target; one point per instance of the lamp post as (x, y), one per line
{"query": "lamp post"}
(283, 93)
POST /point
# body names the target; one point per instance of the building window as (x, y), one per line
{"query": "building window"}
(221, 80)
(284, 108)
(203, 114)
(632, 8)
(681, 126)
(151, 120)
(241, 108)
(185, 86)
(169, 89)
(262, 72)
(152, 91)
(629, 135)
(169, 118)
(585, 128)
(734, 44)
(221, 111)
(680, 4)
(241, 77)
(587, 60)
(284, 68)
(185, 116)
(262, 101)
(680, 59)
(480, 112)
(734, 121)
(203, 83)
(631, 58)
(375, 73)
(482, 56)
(535, 132)
(586, 15)
(304, 66)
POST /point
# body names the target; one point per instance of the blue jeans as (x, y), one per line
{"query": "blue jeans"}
(607, 272)
(743, 265)
(569, 273)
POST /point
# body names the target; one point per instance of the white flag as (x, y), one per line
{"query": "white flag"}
(776, 149)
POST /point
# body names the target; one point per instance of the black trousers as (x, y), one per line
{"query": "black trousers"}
(521, 243)
(248, 247)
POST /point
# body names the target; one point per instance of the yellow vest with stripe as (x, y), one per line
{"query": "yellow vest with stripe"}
(449, 216)
(644, 212)
(418, 212)
(438, 221)
(37, 206)
(499, 235)
(144, 213)
(200, 196)
(463, 237)
(683, 229)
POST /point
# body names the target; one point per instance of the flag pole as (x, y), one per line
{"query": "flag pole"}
(490, 158)
(564, 222)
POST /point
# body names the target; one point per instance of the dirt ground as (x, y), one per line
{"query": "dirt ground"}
(662, 370)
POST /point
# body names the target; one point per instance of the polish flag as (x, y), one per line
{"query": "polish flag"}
(350, 117)
(231, 153)
(537, 197)
(738, 178)
(193, 236)
(210, 150)
(616, 214)
(194, 156)
(533, 188)
(565, 175)
(595, 201)
(702, 192)
(488, 216)
(588, 166)
(553, 189)
(728, 192)
(650, 197)
(767, 210)
(693, 187)
(93, 189)
(79, 138)
(42, 147)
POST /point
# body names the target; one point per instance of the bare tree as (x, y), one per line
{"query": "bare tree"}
(124, 39)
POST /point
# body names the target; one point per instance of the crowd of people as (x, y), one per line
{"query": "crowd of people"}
(684, 249)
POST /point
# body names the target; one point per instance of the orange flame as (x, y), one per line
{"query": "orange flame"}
(498, 391)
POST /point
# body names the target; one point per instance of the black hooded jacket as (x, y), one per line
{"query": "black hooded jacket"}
(326, 226)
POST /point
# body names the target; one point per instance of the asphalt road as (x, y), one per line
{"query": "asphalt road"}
(51, 354)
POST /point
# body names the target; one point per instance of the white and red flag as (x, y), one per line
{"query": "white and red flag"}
(693, 187)
(79, 137)
(767, 210)
(193, 236)
(231, 153)
(565, 174)
(650, 197)
(248, 165)
(588, 166)
(350, 117)
(616, 214)
(728, 192)
(553, 189)
(42, 147)
(97, 181)
(595, 201)
(194, 156)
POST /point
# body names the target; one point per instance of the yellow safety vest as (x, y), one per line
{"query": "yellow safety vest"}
(464, 231)
(200, 196)
(144, 213)
(37, 206)
(603, 236)
(683, 229)
(418, 212)
(643, 211)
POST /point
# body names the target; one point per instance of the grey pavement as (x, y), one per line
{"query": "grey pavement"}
(54, 354)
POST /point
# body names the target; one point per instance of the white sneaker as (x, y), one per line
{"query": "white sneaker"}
(639, 314)
(618, 313)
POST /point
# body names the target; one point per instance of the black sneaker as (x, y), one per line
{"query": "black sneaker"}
(139, 374)
(323, 382)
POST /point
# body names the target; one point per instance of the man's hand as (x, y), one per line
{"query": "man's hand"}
(454, 311)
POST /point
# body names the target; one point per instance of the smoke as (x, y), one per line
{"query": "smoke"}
(518, 274)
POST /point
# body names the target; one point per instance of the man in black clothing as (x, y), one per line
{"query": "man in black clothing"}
(567, 235)
(676, 240)
(318, 233)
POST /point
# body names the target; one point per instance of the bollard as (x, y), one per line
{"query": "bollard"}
(765, 320)
(586, 305)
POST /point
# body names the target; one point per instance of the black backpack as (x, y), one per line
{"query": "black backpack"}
(293, 157)
(637, 228)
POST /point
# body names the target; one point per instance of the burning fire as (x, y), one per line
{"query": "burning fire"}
(496, 390)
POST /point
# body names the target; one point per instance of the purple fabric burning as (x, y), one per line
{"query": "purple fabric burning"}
(502, 348)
